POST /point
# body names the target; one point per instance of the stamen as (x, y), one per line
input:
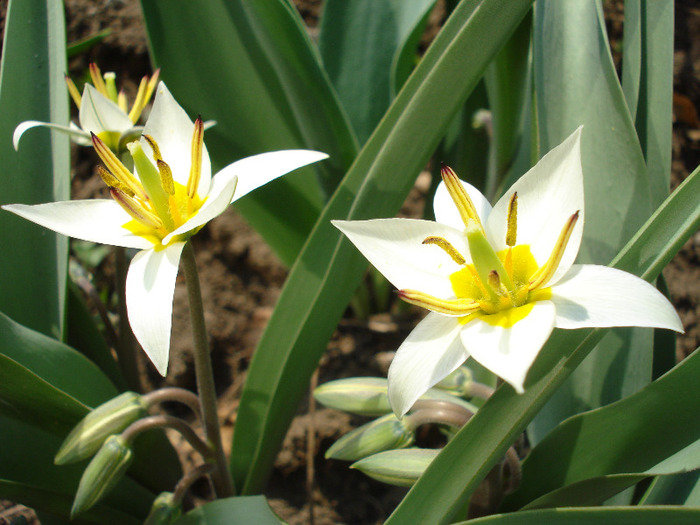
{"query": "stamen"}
(445, 245)
(512, 214)
(154, 146)
(443, 306)
(196, 164)
(166, 177)
(140, 101)
(121, 101)
(546, 271)
(97, 80)
(135, 210)
(112, 182)
(459, 195)
(495, 283)
(111, 86)
(118, 169)
(74, 93)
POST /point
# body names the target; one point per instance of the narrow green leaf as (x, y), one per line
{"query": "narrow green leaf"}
(646, 433)
(251, 67)
(596, 516)
(576, 83)
(679, 489)
(358, 41)
(327, 271)
(467, 459)
(32, 289)
(243, 509)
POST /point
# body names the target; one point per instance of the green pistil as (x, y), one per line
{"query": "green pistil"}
(486, 260)
(151, 180)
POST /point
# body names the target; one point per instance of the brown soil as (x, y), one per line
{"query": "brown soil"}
(242, 278)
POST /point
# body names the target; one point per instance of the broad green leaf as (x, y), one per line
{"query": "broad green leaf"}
(32, 289)
(647, 433)
(679, 489)
(243, 509)
(466, 460)
(251, 67)
(59, 503)
(576, 83)
(647, 80)
(507, 79)
(327, 271)
(595, 516)
(359, 41)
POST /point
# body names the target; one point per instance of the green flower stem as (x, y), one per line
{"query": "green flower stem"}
(479, 390)
(127, 344)
(221, 477)
(162, 421)
(179, 395)
(188, 480)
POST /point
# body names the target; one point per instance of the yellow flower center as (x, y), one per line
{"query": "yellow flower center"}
(157, 204)
(498, 287)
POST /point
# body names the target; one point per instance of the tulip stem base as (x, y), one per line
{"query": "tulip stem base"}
(221, 476)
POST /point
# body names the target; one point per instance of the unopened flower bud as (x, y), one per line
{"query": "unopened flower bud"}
(109, 418)
(397, 467)
(102, 473)
(385, 433)
(457, 382)
(165, 510)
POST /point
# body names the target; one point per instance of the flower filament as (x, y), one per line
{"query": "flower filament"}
(494, 282)
(157, 203)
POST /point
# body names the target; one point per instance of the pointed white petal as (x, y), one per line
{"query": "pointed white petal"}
(95, 220)
(172, 130)
(509, 352)
(394, 247)
(75, 132)
(548, 195)
(150, 284)
(98, 113)
(255, 171)
(598, 296)
(222, 189)
(446, 211)
(429, 354)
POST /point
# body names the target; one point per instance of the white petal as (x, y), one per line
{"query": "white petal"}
(75, 132)
(255, 171)
(95, 220)
(446, 211)
(150, 284)
(222, 189)
(172, 130)
(98, 113)
(548, 195)
(509, 352)
(430, 353)
(598, 296)
(394, 247)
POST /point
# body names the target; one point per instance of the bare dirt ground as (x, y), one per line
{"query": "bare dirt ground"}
(242, 279)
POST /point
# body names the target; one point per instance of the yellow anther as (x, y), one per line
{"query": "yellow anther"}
(459, 195)
(74, 93)
(136, 210)
(166, 177)
(443, 306)
(118, 170)
(121, 101)
(154, 146)
(196, 164)
(112, 182)
(512, 215)
(546, 271)
(445, 245)
(140, 101)
(97, 80)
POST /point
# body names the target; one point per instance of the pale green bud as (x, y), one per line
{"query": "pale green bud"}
(109, 418)
(384, 433)
(164, 510)
(102, 473)
(397, 467)
(367, 396)
(457, 382)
